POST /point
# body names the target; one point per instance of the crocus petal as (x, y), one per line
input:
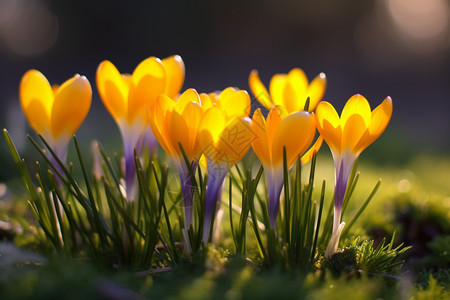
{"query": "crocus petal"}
(291, 100)
(36, 99)
(352, 132)
(206, 101)
(193, 113)
(355, 119)
(113, 90)
(148, 82)
(259, 90)
(276, 88)
(211, 126)
(295, 90)
(314, 149)
(174, 67)
(260, 144)
(235, 140)
(276, 114)
(190, 95)
(298, 79)
(294, 145)
(316, 90)
(179, 132)
(235, 103)
(72, 103)
(380, 119)
(157, 121)
(356, 105)
(328, 124)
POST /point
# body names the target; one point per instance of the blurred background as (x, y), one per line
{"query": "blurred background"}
(378, 48)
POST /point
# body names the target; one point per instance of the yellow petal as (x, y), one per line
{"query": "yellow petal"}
(235, 103)
(175, 73)
(332, 135)
(148, 82)
(352, 132)
(36, 99)
(260, 143)
(295, 90)
(276, 114)
(355, 120)
(292, 101)
(157, 122)
(113, 90)
(326, 111)
(296, 133)
(218, 98)
(71, 106)
(206, 101)
(235, 141)
(356, 105)
(215, 97)
(193, 114)
(179, 132)
(298, 79)
(314, 149)
(276, 88)
(259, 90)
(380, 119)
(328, 124)
(190, 95)
(211, 127)
(316, 90)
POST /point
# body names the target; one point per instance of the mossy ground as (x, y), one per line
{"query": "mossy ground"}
(413, 202)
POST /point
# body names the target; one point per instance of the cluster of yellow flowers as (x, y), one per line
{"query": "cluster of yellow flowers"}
(216, 125)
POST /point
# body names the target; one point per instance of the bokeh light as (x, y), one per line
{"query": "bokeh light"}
(27, 27)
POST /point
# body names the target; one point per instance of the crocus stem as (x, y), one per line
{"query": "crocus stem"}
(274, 187)
(343, 166)
(339, 193)
(130, 170)
(212, 200)
(61, 152)
(149, 140)
(131, 142)
(187, 190)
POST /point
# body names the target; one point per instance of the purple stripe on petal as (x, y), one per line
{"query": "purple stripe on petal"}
(340, 186)
(274, 187)
(188, 190)
(343, 166)
(131, 143)
(212, 199)
(130, 170)
(61, 152)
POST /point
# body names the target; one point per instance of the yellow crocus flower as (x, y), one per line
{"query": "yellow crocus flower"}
(127, 97)
(294, 132)
(289, 90)
(347, 137)
(55, 112)
(225, 137)
(174, 122)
